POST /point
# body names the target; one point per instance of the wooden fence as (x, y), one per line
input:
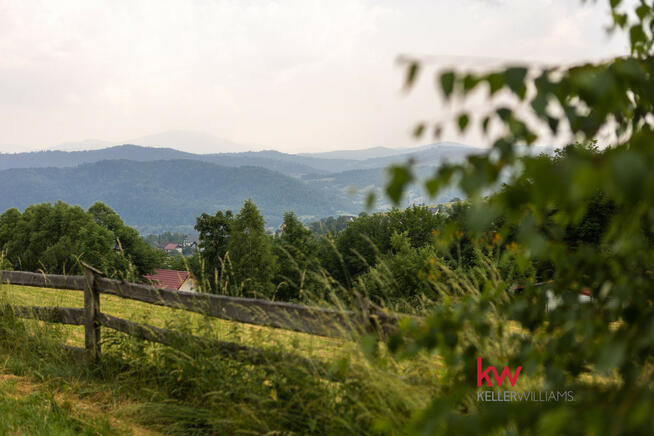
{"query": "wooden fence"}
(289, 316)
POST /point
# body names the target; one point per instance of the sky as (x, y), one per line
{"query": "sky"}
(295, 76)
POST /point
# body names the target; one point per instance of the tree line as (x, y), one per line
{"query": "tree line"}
(394, 256)
(54, 238)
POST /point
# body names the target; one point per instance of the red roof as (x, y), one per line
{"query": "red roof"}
(170, 247)
(168, 278)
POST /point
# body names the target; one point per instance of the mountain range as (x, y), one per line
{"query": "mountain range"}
(156, 189)
(184, 140)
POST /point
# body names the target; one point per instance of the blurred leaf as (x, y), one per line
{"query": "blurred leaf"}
(401, 176)
(469, 82)
(370, 200)
(438, 131)
(553, 124)
(515, 79)
(484, 124)
(463, 120)
(432, 186)
(637, 35)
(504, 113)
(418, 130)
(643, 11)
(411, 74)
(495, 82)
(447, 83)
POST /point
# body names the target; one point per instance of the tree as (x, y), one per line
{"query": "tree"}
(296, 254)
(609, 338)
(214, 233)
(53, 238)
(135, 249)
(329, 225)
(368, 236)
(250, 252)
(403, 275)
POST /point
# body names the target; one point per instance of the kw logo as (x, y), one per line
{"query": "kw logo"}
(481, 375)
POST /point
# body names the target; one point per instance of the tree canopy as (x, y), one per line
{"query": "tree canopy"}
(250, 252)
(588, 214)
(54, 238)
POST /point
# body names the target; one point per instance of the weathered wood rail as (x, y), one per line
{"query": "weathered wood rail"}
(289, 316)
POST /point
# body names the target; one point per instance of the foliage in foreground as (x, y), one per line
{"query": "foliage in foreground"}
(601, 350)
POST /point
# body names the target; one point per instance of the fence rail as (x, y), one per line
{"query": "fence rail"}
(288, 316)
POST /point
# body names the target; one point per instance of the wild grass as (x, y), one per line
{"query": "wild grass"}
(339, 387)
(159, 316)
(40, 413)
(302, 384)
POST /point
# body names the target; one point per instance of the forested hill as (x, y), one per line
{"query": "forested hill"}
(289, 164)
(168, 194)
(284, 163)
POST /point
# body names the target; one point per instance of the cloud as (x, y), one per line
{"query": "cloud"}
(292, 75)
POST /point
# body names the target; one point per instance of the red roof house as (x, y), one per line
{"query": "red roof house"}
(173, 279)
(169, 248)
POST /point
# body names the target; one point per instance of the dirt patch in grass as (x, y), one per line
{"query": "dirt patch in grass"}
(84, 410)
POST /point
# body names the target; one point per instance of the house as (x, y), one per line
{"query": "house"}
(173, 279)
(191, 241)
(170, 247)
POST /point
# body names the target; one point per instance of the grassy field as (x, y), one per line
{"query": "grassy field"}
(144, 388)
(160, 316)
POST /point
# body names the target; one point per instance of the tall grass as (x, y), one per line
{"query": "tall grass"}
(355, 386)
(190, 388)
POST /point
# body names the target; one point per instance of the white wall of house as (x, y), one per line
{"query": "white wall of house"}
(188, 285)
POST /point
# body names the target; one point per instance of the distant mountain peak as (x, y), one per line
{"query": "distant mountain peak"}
(190, 142)
(380, 152)
(86, 144)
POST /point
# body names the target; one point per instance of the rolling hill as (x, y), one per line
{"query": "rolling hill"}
(353, 186)
(168, 194)
(56, 158)
(164, 189)
(289, 164)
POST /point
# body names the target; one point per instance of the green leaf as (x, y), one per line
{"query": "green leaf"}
(411, 74)
(553, 123)
(515, 79)
(418, 130)
(447, 83)
(620, 19)
(642, 11)
(432, 186)
(636, 35)
(469, 82)
(401, 176)
(370, 200)
(484, 124)
(463, 121)
(504, 113)
(495, 82)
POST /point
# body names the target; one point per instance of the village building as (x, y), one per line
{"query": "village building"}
(169, 247)
(173, 279)
(191, 241)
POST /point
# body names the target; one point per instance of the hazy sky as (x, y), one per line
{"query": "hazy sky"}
(291, 75)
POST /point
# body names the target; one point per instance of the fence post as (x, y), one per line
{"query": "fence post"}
(91, 312)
